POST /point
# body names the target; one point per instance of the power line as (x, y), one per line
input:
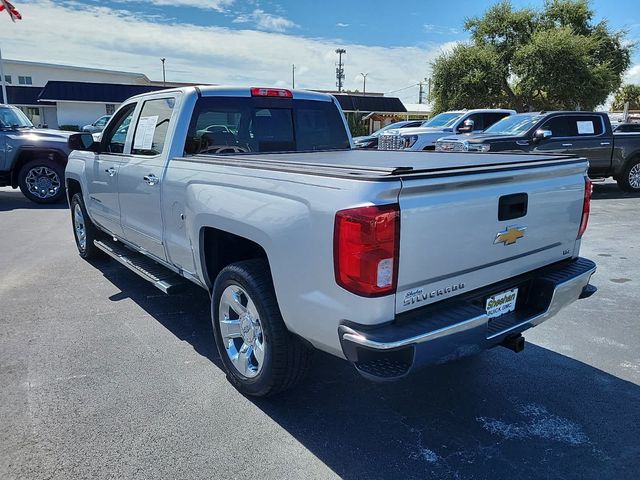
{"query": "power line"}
(401, 89)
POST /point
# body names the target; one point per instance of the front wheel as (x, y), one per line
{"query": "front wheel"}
(84, 231)
(629, 180)
(260, 356)
(42, 181)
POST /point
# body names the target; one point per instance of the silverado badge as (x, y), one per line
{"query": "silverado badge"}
(510, 235)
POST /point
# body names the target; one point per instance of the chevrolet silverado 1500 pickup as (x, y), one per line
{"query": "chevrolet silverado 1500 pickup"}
(389, 260)
(587, 134)
(445, 123)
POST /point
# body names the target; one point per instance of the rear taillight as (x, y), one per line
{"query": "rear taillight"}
(271, 92)
(586, 206)
(365, 251)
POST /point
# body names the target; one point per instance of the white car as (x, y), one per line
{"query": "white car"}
(446, 123)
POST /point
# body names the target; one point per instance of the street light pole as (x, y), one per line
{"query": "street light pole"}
(364, 84)
(164, 79)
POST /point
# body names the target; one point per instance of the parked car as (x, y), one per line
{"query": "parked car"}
(627, 128)
(457, 122)
(98, 125)
(306, 243)
(586, 134)
(32, 159)
(371, 141)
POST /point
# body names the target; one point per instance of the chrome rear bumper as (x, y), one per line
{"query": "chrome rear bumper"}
(460, 326)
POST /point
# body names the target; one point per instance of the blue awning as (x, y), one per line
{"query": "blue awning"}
(55, 91)
(364, 103)
(20, 95)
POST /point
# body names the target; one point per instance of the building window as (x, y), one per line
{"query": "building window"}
(24, 80)
(110, 108)
(7, 78)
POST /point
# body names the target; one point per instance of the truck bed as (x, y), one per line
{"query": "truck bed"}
(380, 165)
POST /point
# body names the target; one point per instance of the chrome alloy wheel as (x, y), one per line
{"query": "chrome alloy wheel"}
(80, 226)
(241, 331)
(43, 182)
(634, 176)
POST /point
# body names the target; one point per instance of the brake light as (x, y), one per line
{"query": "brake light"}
(365, 250)
(271, 92)
(586, 206)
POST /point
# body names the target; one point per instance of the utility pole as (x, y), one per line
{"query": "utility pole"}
(340, 69)
(429, 89)
(2, 82)
(364, 83)
(420, 92)
(293, 76)
(164, 79)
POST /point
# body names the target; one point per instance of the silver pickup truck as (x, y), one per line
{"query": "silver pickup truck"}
(390, 260)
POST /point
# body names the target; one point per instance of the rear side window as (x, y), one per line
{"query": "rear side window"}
(574, 125)
(152, 126)
(587, 125)
(235, 125)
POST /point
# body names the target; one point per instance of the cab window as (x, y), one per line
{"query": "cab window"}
(152, 127)
(115, 137)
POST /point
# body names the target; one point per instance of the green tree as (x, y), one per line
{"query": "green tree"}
(627, 93)
(527, 60)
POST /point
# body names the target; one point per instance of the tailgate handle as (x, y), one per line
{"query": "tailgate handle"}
(512, 206)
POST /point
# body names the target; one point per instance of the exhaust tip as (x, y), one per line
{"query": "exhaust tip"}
(514, 343)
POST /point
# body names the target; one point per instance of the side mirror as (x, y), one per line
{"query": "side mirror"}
(541, 134)
(467, 126)
(83, 141)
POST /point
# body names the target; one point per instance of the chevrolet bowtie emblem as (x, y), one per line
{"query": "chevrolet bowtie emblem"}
(510, 235)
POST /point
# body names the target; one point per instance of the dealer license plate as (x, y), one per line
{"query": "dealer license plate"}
(502, 303)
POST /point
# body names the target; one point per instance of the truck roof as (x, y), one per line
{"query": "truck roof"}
(231, 91)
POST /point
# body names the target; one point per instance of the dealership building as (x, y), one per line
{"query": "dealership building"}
(57, 95)
(71, 97)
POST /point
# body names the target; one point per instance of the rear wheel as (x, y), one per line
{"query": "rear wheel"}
(84, 231)
(42, 181)
(260, 356)
(629, 180)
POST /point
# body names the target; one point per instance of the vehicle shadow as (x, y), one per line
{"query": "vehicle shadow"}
(193, 327)
(537, 414)
(14, 200)
(610, 191)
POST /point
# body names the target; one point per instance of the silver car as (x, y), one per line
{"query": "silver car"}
(98, 125)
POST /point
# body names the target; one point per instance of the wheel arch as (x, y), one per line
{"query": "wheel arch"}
(25, 155)
(219, 248)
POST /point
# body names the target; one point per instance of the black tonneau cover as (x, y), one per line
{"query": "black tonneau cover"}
(380, 165)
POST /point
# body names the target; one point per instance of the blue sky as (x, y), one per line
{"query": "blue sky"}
(255, 42)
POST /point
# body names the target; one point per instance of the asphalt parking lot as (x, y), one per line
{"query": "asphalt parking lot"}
(105, 377)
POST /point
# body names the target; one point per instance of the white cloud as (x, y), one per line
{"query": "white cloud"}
(115, 39)
(632, 75)
(265, 21)
(217, 5)
(342, 25)
(441, 29)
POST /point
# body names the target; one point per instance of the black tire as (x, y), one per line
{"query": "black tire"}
(52, 189)
(624, 180)
(286, 358)
(89, 250)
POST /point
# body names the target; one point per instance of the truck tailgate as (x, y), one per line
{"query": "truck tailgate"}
(453, 241)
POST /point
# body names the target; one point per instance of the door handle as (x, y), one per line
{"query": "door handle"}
(111, 171)
(151, 179)
(604, 144)
(567, 144)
